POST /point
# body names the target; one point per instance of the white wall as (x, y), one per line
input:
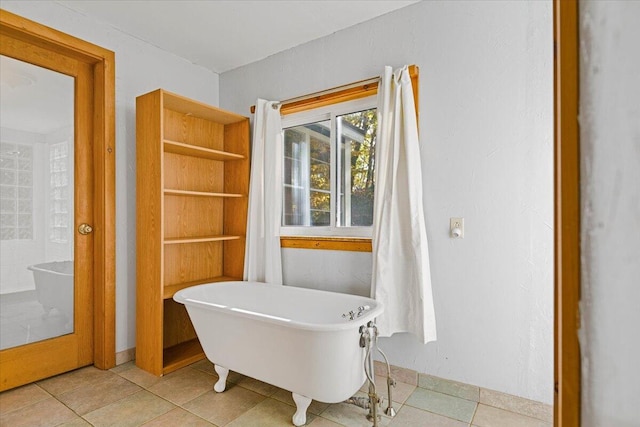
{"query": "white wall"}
(486, 127)
(610, 151)
(140, 68)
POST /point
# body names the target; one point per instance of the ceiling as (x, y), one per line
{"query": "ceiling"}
(218, 35)
(34, 99)
(223, 35)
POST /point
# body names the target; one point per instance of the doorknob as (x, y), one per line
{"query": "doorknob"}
(85, 228)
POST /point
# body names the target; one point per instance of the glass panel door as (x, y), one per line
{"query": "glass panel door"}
(36, 203)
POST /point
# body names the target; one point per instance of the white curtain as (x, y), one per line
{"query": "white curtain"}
(262, 261)
(401, 273)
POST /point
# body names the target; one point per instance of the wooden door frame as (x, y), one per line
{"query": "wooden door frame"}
(567, 373)
(102, 63)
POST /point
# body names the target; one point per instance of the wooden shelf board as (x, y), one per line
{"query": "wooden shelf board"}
(203, 239)
(201, 152)
(195, 108)
(172, 192)
(170, 290)
(181, 355)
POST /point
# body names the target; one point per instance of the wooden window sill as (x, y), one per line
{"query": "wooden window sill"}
(353, 244)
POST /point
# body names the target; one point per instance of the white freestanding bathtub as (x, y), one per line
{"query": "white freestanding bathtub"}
(54, 286)
(293, 338)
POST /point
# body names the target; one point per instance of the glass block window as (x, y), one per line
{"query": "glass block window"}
(16, 192)
(59, 214)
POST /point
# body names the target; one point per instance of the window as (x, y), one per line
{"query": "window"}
(16, 192)
(329, 161)
(59, 196)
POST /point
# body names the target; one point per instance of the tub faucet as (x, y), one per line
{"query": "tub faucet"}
(369, 340)
(352, 315)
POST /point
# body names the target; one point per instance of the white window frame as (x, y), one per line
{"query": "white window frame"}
(329, 112)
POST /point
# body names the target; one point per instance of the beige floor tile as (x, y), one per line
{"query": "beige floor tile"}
(131, 411)
(184, 385)
(350, 415)
(380, 368)
(96, 394)
(47, 412)
(222, 408)
(256, 385)
(20, 397)
(400, 392)
(453, 388)
(285, 396)
(234, 377)
(442, 404)
(517, 404)
(488, 416)
(178, 417)
(140, 377)
(80, 377)
(77, 422)
(268, 413)
(244, 381)
(404, 375)
(408, 416)
(204, 365)
(123, 367)
(323, 422)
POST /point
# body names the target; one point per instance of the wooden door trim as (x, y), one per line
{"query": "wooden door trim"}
(567, 214)
(102, 62)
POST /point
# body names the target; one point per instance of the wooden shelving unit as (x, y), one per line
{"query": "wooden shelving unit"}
(201, 152)
(170, 192)
(192, 185)
(182, 240)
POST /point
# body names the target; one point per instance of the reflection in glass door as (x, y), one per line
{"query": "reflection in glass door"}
(36, 204)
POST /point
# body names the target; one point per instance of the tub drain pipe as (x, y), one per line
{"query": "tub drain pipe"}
(369, 340)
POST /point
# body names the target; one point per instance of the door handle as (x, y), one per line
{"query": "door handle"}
(85, 228)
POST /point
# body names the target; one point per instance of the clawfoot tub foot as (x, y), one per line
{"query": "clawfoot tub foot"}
(221, 384)
(302, 403)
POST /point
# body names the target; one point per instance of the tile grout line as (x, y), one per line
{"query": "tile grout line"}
(475, 411)
(181, 406)
(58, 400)
(3, 414)
(162, 398)
(111, 403)
(513, 411)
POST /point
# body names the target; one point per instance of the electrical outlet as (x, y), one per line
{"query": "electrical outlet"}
(456, 228)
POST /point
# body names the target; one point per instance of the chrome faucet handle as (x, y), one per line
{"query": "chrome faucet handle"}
(362, 309)
(350, 315)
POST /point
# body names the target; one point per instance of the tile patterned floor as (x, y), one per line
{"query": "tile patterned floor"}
(127, 396)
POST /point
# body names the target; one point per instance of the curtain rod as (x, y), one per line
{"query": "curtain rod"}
(349, 91)
(364, 84)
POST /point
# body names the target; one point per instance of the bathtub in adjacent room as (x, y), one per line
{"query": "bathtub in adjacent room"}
(54, 287)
